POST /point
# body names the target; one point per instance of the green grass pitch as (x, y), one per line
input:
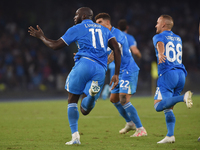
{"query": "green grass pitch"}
(43, 125)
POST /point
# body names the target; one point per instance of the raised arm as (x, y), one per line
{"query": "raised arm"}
(53, 44)
(117, 57)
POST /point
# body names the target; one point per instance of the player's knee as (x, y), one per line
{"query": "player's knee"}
(123, 99)
(113, 100)
(157, 108)
(84, 112)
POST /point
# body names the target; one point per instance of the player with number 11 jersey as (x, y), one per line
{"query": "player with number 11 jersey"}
(86, 34)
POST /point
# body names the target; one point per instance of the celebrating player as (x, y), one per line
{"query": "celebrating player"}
(121, 94)
(122, 25)
(88, 75)
(171, 72)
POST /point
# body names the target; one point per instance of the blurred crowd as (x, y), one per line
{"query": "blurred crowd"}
(26, 63)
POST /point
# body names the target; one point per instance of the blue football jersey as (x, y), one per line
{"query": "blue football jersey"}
(131, 40)
(91, 40)
(127, 61)
(173, 51)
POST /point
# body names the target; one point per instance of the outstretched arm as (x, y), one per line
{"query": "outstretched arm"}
(161, 51)
(53, 44)
(117, 57)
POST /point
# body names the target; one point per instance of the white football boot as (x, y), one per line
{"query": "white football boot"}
(75, 139)
(140, 132)
(127, 128)
(167, 139)
(188, 99)
(94, 89)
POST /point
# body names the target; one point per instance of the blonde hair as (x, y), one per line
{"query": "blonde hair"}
(168, 20)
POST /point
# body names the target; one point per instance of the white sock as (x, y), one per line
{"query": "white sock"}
(130, 123)
(141, 128)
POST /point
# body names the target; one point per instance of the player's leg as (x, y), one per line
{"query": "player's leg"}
(105, 92)
(73, 116)
(114, 98)
(169, 115)
(170, 123)
(167, 103)
(177, 91)
(167, 92)
(93, 87)
(88, 101)
(164, 93)
(75, 85)
(132, 112)
(166, 83)
(128, 85)
(107, 89)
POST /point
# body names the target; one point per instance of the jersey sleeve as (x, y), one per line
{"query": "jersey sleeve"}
(157, 38)
(70, 35)
(110, 35)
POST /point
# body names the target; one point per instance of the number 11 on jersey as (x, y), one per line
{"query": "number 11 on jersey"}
(94, 38)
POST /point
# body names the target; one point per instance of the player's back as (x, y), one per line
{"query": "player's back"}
(173, 51)
(91, 39)
(127, 61)
(131, 40)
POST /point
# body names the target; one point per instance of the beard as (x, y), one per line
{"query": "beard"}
(78, 20)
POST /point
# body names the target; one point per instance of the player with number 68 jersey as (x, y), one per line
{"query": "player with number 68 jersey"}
(172, 73)
(173, 51)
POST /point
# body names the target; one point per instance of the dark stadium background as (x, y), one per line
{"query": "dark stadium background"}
(28, 69)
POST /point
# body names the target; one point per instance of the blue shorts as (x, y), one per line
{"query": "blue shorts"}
(82, 74)
(170, 84)
(127, 83)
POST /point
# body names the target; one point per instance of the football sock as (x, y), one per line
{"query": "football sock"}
(122, 112)
(132, 112)
(170, 121)
(168, 103)
(73, 116)
(88, 102)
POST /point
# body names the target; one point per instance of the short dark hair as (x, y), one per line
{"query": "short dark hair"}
(103, 16)
(122, 24)
(87, 12)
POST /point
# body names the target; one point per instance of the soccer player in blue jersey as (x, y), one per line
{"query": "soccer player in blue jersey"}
(123, 26)
(171, 72)
(121, 94)
(87, 76)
